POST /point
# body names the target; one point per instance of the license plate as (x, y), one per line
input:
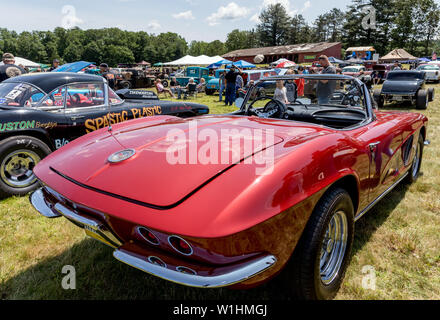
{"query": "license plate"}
(398, 98)
(97, 236)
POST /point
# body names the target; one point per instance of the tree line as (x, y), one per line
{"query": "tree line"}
(409, 24)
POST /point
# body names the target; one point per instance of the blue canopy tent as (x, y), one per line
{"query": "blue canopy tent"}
(244, 64)
(424, 60)
(220, 63)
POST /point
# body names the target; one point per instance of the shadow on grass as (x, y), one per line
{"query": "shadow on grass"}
(100, 276)
(372, 220)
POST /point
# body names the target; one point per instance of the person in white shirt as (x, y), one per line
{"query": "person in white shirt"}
(281, 92)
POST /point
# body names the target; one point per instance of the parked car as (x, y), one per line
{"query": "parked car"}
(404, 85)
(355, 71)
(432, 72)
(41, 113)
(255, 75)
(237, 218)
(197, 73)
(382, 70)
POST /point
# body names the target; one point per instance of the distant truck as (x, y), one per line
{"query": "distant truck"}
(197, 73)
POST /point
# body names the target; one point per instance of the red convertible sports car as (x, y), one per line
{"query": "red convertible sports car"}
(229, 200)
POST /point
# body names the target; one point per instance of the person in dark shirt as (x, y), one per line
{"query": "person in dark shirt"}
(108, 75)
(231, 78)
(55, 65)
(325, 88)
(9, 69)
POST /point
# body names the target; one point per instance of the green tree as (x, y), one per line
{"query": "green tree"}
(274, 27)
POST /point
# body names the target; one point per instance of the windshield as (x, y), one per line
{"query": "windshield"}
(19, 94)
(405, 76)
(308, 92)
(429, 67)
(351, 70)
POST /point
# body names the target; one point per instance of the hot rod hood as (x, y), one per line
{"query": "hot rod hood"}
(396, 87)
(154, 175)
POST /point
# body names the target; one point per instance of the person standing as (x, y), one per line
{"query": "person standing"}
(222, 85)
(397, 66)
(325, 88)
(55, 65)
(108, 75)
(239, 82)
(9, 69)
(231, 79)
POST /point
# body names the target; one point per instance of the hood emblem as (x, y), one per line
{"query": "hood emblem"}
(121, 156)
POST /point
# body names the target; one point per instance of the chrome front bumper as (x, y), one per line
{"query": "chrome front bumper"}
(222, 277)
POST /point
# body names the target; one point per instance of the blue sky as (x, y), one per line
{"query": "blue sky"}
(193, 19)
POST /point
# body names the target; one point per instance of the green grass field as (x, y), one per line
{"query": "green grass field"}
(400, 238)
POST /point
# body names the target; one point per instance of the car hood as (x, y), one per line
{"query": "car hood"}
(151, 176)
(400, 86)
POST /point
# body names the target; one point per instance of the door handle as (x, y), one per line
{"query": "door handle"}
(77, 118)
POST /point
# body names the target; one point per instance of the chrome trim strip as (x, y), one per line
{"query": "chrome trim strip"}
(372, 204)
(38, 202)
(242, 273)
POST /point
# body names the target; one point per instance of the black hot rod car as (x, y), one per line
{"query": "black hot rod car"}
(43, 112)
(404, 85)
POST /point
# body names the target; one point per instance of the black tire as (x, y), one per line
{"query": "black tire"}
(431, 94)
(303, 275)
(18, 157)
(165, 83)
(414, 172)
(209, 92)
(377, 95)
(125, 85)
(422, 100)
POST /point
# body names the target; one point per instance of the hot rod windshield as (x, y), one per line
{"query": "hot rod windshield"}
(309, 92)
(19, 94)
(406, 76)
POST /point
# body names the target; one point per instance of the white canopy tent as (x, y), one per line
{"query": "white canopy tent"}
(24, 62)
(194, 61)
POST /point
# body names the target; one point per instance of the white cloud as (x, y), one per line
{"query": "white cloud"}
(230, 12)
(154, 25)
(291, 10)
(186, 15)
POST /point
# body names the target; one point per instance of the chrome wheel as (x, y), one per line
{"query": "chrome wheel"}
(416, 162)
(333, 247)
(17, 168)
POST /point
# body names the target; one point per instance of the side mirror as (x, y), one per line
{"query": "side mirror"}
(239, 102)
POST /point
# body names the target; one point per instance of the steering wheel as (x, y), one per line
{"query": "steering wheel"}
(351, 97)
(272, 109)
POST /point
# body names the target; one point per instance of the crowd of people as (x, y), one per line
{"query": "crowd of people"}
(232, 83)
